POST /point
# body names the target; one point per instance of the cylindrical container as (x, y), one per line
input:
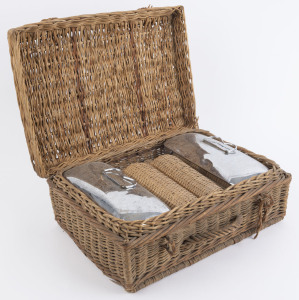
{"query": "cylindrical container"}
(185, 175)
(159, 184)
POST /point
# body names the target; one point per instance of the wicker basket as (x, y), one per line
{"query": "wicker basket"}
(114, 87)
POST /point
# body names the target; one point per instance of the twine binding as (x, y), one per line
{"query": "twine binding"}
(266, 202)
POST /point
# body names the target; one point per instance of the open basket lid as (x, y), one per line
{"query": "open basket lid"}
(90, 82)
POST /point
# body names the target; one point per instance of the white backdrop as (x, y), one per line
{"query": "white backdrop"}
(245, 63)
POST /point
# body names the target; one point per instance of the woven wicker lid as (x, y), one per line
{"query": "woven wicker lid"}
(90, 82)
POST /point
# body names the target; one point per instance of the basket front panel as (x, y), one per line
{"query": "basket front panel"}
(101, 81)
(152, 259)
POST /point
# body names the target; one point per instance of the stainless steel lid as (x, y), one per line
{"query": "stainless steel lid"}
(118, 194)
(221, 159)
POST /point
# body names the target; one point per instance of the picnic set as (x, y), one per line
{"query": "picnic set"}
(108, 109)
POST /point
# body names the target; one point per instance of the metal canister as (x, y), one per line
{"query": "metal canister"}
(118, 194)
(211, 154)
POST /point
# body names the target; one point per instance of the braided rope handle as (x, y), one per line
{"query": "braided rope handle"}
(266, 202)
(203, 238)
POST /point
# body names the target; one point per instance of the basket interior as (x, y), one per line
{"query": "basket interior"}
(149, 155)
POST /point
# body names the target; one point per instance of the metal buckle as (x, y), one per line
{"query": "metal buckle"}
(120, 179)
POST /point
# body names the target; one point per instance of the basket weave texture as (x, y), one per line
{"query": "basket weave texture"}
(92, 82)
(114, 87)
(185, 175)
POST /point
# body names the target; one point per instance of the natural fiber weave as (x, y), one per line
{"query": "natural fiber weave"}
(92, 82)
(162, 245)
(184, 175)
(159, 184)
(146, 150)
(113, 87)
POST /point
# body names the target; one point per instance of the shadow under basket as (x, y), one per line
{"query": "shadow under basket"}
(113, 87)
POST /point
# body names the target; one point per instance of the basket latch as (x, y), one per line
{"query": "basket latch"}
(266, 203)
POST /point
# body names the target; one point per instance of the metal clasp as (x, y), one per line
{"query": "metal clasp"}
(119, 178)
(228, 148)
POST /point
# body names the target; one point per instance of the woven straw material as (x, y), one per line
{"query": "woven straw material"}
(148, 149)
(92, 82)
(184, 175)
(159, 184)
(136, 254)
(113, 87)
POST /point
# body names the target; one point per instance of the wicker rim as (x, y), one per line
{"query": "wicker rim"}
(135, 233)
(178, 216)
(91, 19)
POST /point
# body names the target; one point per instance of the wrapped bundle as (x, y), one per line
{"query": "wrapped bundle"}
(185, 175)
(159, 184)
